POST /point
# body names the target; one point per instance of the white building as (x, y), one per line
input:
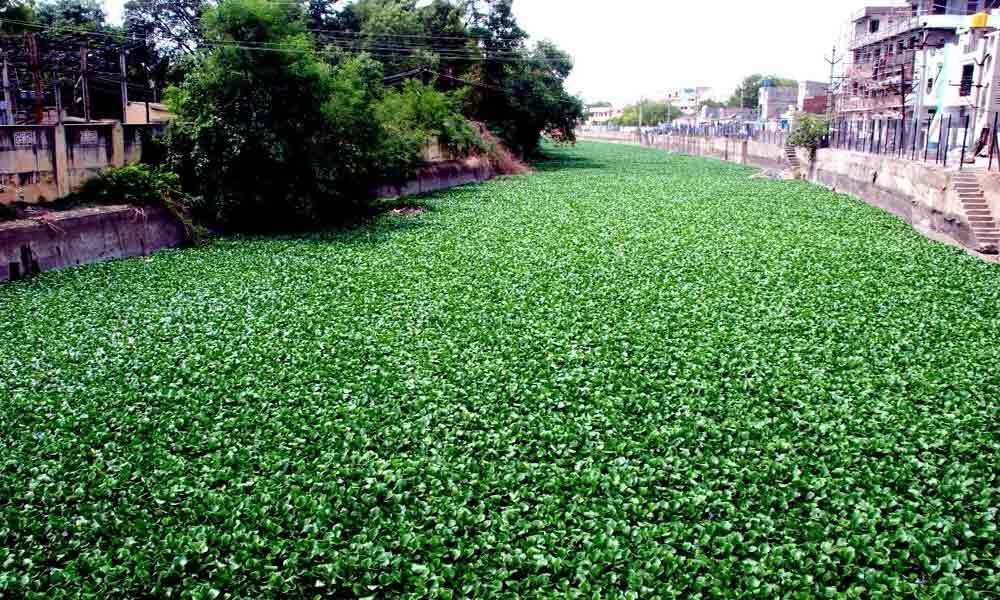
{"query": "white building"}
(689, 100)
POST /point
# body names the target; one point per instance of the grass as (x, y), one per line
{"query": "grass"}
(628, 375)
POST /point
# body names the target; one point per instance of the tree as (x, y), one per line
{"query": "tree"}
(74, 14)
(275, 138)
(747, 94)
(14, 13)
(519, 91)
(654, 112)
(172, 26)
(808, 132)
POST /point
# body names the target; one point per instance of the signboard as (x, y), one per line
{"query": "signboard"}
(89, 137)
(24, 138)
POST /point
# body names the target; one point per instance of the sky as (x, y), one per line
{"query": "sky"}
(628, 49)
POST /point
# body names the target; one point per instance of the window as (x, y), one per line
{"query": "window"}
(930, 85)
(965, 87)
(873, 26)
(972, 7)
(939, 7)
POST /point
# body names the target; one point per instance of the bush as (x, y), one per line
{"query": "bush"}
(418, 113)
(276, 139)
(140, 185)
(809, 131)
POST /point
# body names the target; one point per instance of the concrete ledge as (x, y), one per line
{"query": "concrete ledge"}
(84, 236)
(440, 176)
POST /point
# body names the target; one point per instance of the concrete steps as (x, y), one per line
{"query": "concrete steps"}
(792, 156)
(977, 211)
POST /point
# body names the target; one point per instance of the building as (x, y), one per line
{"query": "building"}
(689, 100)
(722, 115)
(774, 101)
(600, 116)
(156, 113)
(928, 64)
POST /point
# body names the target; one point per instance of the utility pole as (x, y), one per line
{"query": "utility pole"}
(124, 82)
(36, 74)
(833, 61)
(84, 84)
(59, 104)
(921, 88)
(8, 98)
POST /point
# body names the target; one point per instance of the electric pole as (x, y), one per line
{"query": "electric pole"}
(124, 82)
(8, 98)
(833, 61)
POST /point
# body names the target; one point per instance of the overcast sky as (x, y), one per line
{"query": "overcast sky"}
(630, 48)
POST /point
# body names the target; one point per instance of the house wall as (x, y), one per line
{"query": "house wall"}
(43, 163)
(27, 164)
(774, 101)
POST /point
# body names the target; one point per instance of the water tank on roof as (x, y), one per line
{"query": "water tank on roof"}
(767, 83)
(980, 20)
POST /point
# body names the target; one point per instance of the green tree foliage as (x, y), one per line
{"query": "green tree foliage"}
(278, 137)
(77, 14)
(748, 92)
(173, 26)
(418, 112)
(654, 112)
(808, 131)
(19, 11)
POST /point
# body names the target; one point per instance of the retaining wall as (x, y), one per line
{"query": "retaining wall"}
(88, 235)
(83, 236)
(920, 194)
(440, 176)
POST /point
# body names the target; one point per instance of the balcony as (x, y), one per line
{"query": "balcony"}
(905, 25)
(860, 71)
(877, 103)
(888, 30)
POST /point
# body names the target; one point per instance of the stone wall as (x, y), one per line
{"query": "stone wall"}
(83, 236)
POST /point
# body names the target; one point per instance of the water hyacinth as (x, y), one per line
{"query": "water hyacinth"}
(628, 375)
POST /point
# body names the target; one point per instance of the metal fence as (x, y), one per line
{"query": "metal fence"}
(742, 131)
(949, 141)
(925, 141)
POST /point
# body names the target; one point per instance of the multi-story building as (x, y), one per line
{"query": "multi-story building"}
(688, 100)
(600, 116)
(923, 63)
(775, 102)
(895, 52)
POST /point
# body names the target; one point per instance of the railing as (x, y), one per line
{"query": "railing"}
(854, 104)
(742, 131)
(948, 141)
(909, 20)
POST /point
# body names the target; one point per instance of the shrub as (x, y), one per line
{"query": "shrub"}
(272, 140)
(138, 185)
(418, 113)
(809, 131)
